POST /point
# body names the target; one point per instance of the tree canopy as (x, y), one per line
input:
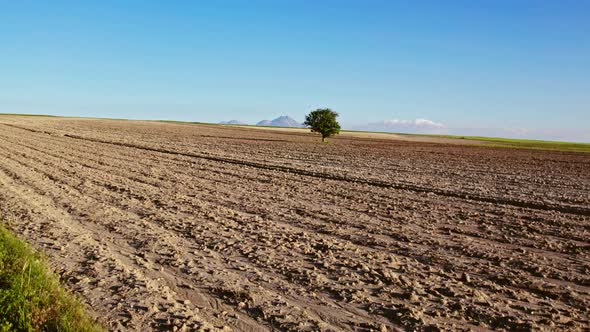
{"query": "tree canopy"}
(323, 121)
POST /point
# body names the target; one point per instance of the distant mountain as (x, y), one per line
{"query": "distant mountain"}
(264, 123)
(232, 122)
(281, 121)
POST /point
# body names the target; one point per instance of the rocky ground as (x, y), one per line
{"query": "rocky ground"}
(166, 226)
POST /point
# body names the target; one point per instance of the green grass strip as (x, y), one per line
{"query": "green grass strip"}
(17, 114)
(526, 143)
(31, 298)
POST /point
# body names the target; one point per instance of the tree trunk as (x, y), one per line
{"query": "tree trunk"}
(323, 139)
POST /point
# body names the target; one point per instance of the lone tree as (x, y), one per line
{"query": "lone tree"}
(323, 121)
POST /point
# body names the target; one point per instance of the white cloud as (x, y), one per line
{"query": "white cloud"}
(424, 126)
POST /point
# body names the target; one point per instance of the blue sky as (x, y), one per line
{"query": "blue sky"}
(516, 68)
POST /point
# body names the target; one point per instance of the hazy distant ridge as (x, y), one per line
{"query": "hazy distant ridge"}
(233, 122)
(281, 121)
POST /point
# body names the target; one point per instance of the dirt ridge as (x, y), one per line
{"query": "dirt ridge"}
(531, 205)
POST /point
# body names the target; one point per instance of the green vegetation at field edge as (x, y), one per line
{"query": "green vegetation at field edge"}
(41, 115)
(31, 298)
(525, 143)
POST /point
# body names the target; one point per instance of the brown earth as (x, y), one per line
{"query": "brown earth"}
(377, 135)
(164, 226)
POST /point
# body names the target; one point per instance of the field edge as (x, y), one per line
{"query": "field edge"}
(492, 142)
(31, 296)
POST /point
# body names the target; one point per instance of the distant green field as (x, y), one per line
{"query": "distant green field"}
(15, 114)
(524, 143)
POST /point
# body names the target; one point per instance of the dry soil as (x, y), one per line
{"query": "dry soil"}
(166, 226)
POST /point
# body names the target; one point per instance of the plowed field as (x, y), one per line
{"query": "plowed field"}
(166, 226)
